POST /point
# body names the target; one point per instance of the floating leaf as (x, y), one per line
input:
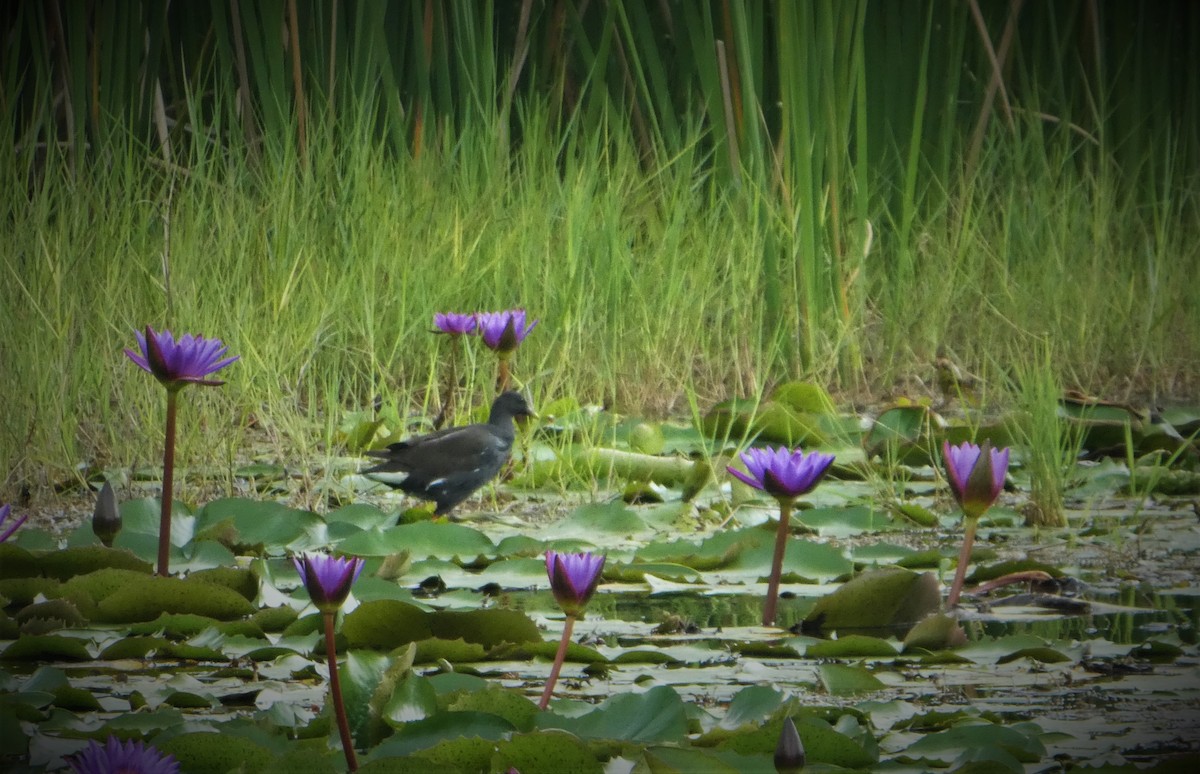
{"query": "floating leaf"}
(422, 734)
(441, 540)
(69, 562)
(494, 700)
(946, 745)
(751, 705)
(385, 624)
(255, 526)
(16, 562)
(843, 680)
(148, 597)
(654, 716)
(545, 752)
(937, 631)
(46, 647)
(489, 628)
(876, 602)
(215, 752)
(851, 646)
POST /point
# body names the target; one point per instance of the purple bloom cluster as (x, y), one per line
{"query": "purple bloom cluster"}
(501, 331)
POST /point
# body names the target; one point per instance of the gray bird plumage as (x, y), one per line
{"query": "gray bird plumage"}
(448, 465)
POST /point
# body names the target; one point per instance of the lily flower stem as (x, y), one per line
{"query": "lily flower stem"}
(502, 375)
(168, 486)
(559, 657)
(335, 691)
(964, 557)
(448, 397)
(785, 512)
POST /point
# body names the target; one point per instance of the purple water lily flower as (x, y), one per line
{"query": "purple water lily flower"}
(328, 578)
(782, 473)
(7, 531)
(573, 578)
(976, 479)
(503, 331)
(177, 364)
(785, 475)
(976, 475)
(117, 757)
(455, 323)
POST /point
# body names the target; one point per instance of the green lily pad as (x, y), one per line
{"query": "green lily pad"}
(46, 647)
(145, 598)
(69, 562)
(878, 602)
(844, 680)
(441, 540)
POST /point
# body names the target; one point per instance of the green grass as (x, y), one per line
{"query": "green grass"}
(648, 287)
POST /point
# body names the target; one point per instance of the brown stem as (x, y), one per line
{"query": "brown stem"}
(559, 657)
(781, 535)
(964, 557)
(502, 376)
(449, 392)
(335, 691)
(168, 487)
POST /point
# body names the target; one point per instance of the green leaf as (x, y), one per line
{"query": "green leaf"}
(441, 540)
(614, 518)
(215, 752)
(489, 628)
(385, 624)
(843, 680)
(147, 597)
(548, 752)
(946, 745)
(361, 672)
(879, 602)
(654, 716)
(255, 526)
(751, 705)
(423, 734)
(851, 646)
(413, 699)
(46, 647)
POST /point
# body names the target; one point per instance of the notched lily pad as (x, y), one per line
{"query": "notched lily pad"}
(70, 562)
(16, 562)
(240, 579)
(46, 647)
(489, 628)
(148, 597)
(385, 624)
(878, 603)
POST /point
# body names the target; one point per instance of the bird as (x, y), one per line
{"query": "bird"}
(447, 466)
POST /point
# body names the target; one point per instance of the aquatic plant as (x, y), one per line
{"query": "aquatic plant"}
(455, 325)
(503, 332)
(573, 579)
(976, 478)
(175, 365)
(328, 580)
(785, 475)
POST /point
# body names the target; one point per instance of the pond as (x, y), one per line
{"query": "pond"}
(448, 637)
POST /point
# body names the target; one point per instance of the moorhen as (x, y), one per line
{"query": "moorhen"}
(446, 466)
